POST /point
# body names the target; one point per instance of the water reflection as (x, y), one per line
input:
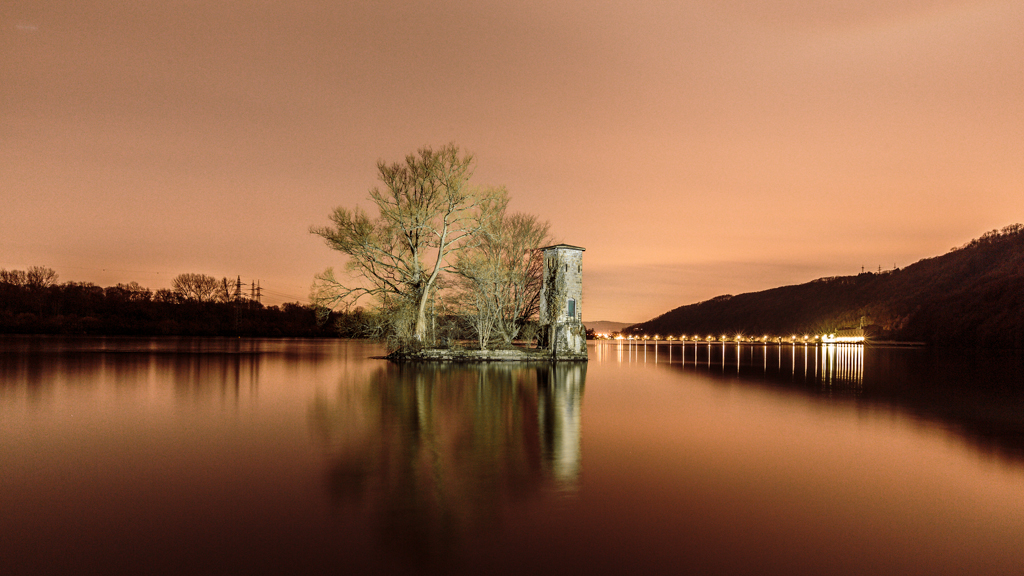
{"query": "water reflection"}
(707, 460)
(977, 395)
(834, 367)
(193, 374)
(434, 452)
(34, 368)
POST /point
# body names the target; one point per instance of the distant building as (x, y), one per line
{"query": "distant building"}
(850, 335)
(561, 302)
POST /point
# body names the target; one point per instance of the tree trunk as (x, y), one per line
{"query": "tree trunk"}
(420, 329)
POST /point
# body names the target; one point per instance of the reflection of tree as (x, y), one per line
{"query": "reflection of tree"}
(193, 366)
(201, 366)
(430, 452)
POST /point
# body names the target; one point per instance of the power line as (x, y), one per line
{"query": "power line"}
(283, 295)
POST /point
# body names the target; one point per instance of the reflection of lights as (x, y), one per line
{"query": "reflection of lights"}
(842, 366)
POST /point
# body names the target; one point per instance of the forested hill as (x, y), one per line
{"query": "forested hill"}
(974, 295)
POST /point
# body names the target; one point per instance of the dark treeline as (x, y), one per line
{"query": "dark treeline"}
(32, 302)
(973, 296)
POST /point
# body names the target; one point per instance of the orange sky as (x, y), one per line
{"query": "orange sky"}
(694, 148)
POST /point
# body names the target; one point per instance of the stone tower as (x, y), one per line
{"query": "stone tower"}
(561, 300)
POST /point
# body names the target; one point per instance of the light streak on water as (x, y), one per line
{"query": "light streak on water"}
(836, 367)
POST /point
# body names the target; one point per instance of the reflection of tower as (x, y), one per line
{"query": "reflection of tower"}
(560, 396)
(561, 299)
(434, 453)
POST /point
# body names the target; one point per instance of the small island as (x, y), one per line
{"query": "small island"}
(563, 336)
(445, 263)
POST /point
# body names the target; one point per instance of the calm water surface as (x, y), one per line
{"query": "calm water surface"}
(175, 456)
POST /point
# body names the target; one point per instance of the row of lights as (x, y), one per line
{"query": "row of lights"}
(807, 338)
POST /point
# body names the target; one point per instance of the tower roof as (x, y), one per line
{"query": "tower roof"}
(563, 246)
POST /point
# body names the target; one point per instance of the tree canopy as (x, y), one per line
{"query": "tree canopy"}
(500, 276)
(427, 212)
(32, 302)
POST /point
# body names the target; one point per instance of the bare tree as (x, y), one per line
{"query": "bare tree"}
(13, 277)
(228, 291)
(130, 292)
(479, 279)
(197, 287)
(427, 212)
(40, 277)
(501, 275)
(165, 296)
(35, 277)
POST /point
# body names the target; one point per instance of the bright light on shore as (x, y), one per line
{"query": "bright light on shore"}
(833, 339)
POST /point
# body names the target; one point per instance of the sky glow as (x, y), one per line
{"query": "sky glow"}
(694, 149)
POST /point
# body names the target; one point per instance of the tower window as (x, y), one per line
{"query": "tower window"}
(570, 308)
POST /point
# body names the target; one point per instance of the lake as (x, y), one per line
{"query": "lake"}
(243, 456)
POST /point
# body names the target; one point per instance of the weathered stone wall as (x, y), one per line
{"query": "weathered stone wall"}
(562, 330)
(563, 279)
(570, 339)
